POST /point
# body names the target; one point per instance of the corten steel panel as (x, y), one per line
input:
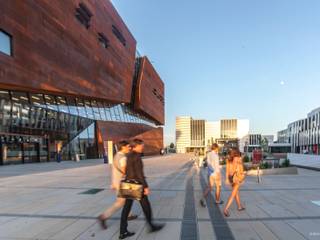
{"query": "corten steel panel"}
(116, 131)
(53, 52)
(149, 97)
(153, 141)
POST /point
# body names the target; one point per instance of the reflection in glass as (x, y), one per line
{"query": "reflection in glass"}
(5, 110)
(81, 108)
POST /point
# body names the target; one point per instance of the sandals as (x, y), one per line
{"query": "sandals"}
(226, 213)
(241, 209)
(219, 203)
(103, 223)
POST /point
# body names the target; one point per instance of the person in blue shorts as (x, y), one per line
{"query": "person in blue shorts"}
(214, 175)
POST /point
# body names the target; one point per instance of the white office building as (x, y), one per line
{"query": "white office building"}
(194, 134)
(304, 134)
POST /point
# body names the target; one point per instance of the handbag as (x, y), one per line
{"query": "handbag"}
(238, 177)
(130, 189)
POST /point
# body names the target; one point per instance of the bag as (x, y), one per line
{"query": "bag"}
(131, 189)
(238, 177)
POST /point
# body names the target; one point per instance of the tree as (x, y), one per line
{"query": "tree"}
(264, 144)
(171, 145)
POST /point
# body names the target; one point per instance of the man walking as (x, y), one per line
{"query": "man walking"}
(214, 175)
(135, 171)
(118, 172)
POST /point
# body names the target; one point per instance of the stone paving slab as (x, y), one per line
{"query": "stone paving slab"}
(43, 202)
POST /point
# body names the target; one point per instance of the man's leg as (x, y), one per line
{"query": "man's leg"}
(124, 216)
(146, 207)
(118, 204)
(207, 191)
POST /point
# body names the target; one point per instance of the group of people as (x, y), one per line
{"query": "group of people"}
(128, 165)
(235, 176)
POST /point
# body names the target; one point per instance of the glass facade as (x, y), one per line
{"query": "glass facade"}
(40, 127)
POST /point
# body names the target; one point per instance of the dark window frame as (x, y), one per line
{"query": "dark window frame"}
(103, 40)
(119, 35)
(83, 15)
(10, 41)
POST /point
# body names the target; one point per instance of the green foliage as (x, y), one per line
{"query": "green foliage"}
(264, 165)
(172, 145)
(246, 159)
(286, 163)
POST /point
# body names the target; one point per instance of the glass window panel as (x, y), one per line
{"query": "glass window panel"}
(62, 104)
(89, 109)
(102, 111)
(5, 43)
(108, 112)
(52, 117)
(37, 100)
(63, 121)
(81, 108)
(51, 102)
(20, 109)
(72, 106)
(96, 110)
(5, 110)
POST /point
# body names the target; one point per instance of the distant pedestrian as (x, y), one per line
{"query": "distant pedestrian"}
(135, 171)
(118, 172)
(235, 176)
(214, 175)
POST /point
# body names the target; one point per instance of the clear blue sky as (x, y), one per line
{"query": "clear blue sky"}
(227, 58)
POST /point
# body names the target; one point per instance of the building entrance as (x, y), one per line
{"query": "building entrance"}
(23, 149)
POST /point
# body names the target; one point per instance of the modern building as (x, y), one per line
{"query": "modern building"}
(72, 83)
(199, 134)
(304, 134)
(282, 136)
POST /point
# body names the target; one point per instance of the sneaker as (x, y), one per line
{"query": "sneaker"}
(156, 227)
(202, 203)
(126, 235)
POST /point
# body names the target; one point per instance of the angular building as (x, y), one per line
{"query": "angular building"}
(72, 83)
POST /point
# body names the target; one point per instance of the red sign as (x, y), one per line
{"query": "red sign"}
(256, 156)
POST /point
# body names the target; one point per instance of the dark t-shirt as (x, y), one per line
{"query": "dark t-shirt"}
(134, 169)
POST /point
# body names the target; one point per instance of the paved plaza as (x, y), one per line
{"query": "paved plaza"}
(48, 201)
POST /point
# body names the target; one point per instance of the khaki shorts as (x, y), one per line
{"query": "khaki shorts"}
(215, 180)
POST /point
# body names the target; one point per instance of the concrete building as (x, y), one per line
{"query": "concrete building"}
(183, 133)
(72, 83)
(199, 134)
(304, 134)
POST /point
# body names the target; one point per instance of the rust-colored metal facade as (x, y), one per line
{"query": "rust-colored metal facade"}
(149, 96)
(55, 53)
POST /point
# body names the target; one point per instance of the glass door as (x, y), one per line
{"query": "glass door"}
(31, 152)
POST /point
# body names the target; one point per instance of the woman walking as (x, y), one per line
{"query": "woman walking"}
(235, 176)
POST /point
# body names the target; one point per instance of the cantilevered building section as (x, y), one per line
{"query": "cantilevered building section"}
(72, 83)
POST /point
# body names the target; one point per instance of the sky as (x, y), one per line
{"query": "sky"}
(251, 59)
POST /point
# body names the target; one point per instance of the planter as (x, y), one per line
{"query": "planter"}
(275, 171)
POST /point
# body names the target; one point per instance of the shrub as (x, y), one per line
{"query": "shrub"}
(264, 165)
(286, 163)
(246, 159)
